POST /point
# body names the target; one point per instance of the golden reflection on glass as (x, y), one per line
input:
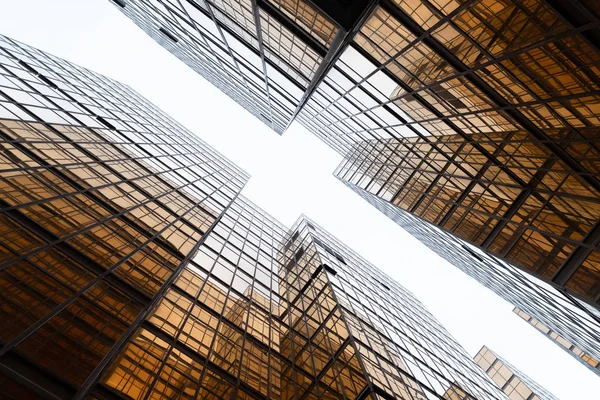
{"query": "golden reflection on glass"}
(513, 382)
(473, 172)
(310, 19)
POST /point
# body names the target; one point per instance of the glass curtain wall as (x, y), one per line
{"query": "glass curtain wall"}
(480, 117)
(263, 54)
(567, 317)
(103, 200)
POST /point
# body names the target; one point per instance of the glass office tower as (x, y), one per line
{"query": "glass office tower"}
(103, 201)
(265, 55)
(574, 321)
(265, 312)
(478, 116)
(513, 382)
(132, 268)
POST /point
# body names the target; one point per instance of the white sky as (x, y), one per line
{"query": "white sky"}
(292, 174)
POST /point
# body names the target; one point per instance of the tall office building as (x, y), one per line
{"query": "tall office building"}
(132, 268)
(267, 55)
(265, 312)
(566, 316)
(513, 382)
(103, 201)
(478, 116)
(590, 361)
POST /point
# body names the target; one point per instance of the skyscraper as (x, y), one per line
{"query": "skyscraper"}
(574, 321)
(269, 312)
(103, 201)
(513, 382)
(132, 267)
(268, 55)
(479, 117)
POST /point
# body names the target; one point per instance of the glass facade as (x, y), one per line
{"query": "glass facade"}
(574, 321)
(513, 382)
(402, 351)
(479, 116)
(265, 312)
(263, 54)
(546, 222)
(589, 360)
(217, 333)
(132, 268)
(103, 200)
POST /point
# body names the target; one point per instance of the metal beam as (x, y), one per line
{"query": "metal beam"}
(518, 202)
(104, 392)
(578, 256)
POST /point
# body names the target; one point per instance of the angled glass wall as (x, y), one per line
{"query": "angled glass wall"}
(480, 118)
(263, 311)
(471, 199)
(262, 54)
(567, 317)
(405, 355)
(217, 333)
(103, 200)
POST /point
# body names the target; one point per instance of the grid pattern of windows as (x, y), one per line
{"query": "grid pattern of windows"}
(480, 117)
(513, 382)
(245, 48)
(287, 50)
(567, 317)
(103, 198)
(477, 116)
(217, 333)
(406, 354)
(309, 19)
(536, 227)
(590, 361)
(263, 311)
